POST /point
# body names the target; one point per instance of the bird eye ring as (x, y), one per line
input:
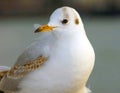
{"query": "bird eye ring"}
(64, 21)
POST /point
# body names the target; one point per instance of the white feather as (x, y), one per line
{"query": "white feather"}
(2, 68)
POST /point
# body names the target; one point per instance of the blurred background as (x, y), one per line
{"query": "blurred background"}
(101, 19)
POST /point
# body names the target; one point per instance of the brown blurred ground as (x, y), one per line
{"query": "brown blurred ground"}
(43, 7)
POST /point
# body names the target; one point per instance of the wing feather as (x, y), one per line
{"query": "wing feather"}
(17, 72)
(31, 59)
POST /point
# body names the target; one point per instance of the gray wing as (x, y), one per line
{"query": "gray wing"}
(17, 72)
(28, 61)
(11, 79)
(32, 54)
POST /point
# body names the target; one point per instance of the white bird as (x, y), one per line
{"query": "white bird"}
(59, 61)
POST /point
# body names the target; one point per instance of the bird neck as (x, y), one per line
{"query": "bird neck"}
(68, 34)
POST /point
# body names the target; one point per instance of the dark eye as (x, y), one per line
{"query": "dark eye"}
(64, 21)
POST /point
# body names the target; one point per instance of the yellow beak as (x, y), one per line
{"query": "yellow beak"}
(44, 28)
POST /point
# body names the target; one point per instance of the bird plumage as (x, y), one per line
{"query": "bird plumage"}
(68, 53)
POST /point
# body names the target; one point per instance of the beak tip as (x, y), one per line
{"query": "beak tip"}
(36, 31)
(44, 28)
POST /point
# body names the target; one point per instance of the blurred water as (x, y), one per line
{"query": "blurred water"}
(104, 34)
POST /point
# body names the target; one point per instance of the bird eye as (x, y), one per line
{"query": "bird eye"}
(64, 21)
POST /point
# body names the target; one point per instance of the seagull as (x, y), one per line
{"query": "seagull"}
(60, 60)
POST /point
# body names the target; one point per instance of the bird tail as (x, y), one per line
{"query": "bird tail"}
(3, 71)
